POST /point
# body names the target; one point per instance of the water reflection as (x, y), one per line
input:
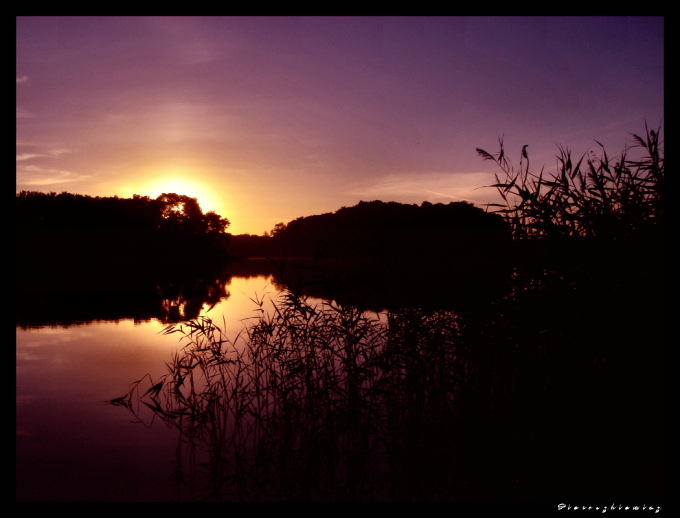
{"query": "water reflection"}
(166, 299)
(429, 283)
(182, 295)
(433, 405)
(70, 445)
(76, 349)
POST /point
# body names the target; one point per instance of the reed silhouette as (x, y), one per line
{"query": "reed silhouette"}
(551, 391)
(311, 402)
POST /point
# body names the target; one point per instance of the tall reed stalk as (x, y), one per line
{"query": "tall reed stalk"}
(592, 196)
(311, 401)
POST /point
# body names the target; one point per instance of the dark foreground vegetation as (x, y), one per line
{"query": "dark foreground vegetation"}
(553, 391)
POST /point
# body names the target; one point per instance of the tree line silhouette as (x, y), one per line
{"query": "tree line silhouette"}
(374, 254)
(380, 254)
(67, 241)
(379, 229)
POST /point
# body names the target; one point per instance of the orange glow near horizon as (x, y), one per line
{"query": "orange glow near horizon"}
(210, 192)
(179, 184)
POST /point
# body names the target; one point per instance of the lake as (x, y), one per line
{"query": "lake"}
(499, 401)
(76, 351)
(70, 444)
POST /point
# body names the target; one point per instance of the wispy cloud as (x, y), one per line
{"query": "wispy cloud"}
(426, 186)
(23, 114)
(58, 151)
(53, 152)
(22, 79)
(32, 175)
(28, 156)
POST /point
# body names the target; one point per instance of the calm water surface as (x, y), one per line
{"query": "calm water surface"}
(70, 444)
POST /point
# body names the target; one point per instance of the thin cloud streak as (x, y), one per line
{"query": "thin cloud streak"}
(416, 187)
(23, 114)
(28, 156)
(33, 175)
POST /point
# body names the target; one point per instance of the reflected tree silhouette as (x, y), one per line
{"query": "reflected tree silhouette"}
(167, 300)
(82, 258)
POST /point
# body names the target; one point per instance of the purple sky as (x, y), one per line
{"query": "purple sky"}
(266, 119)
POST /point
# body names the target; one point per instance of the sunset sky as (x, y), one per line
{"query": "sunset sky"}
(266, 119)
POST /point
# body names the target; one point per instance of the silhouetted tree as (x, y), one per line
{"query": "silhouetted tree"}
(74, 239)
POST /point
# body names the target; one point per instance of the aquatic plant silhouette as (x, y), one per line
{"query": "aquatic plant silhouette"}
(592, 196)
(314, 401)
(553, 390)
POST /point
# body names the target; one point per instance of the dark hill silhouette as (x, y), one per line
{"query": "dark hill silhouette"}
(380, 254)
(379, 229)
